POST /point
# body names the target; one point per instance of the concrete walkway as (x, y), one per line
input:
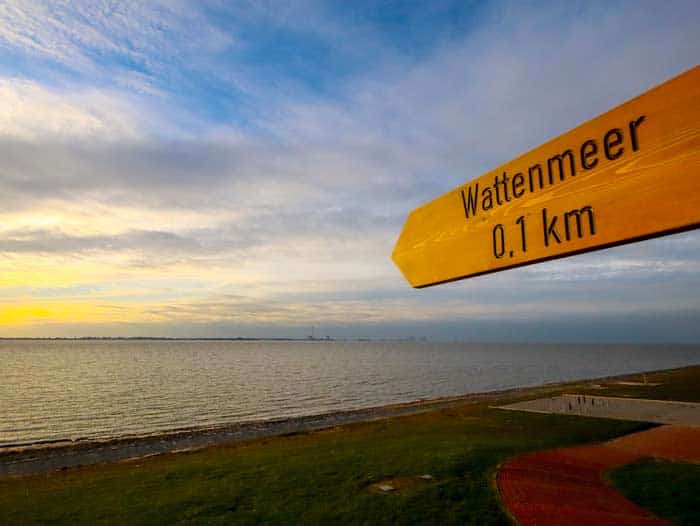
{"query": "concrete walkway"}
(637, 409)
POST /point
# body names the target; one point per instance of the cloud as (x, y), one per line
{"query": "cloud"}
(48, 242)
(293, 205)
(31, 112)
(90, 35)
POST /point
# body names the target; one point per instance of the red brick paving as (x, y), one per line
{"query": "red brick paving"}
(566, 487)
(671, 442)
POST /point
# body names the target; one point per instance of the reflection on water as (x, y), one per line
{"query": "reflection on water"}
(74, 389)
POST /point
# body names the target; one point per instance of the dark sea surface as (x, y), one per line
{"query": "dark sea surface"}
(51, 390)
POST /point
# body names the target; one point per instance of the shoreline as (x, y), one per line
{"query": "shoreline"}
(45, 456)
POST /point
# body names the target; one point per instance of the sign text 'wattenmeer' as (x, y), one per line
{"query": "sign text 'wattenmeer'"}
(629, 174)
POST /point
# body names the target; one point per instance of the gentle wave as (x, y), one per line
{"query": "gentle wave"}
(69, 390)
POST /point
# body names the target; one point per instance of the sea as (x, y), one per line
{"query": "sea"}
(53, 390)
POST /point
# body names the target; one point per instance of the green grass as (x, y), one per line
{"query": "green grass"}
(324, 477)
(668, 489)
(677, 384)
(318, 478)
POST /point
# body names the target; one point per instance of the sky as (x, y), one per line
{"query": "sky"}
(218, 168)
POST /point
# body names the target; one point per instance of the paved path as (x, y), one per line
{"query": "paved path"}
(566, 487)
(637, 409)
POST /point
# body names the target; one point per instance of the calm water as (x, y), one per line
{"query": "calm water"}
(74, 389)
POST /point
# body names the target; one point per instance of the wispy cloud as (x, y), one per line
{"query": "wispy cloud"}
(34, 113)
(152, 146)
(139, 39)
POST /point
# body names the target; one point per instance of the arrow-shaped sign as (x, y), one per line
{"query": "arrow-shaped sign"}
(630, 174)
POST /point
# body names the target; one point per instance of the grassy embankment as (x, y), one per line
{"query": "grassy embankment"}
(328, 476)
(668, 489)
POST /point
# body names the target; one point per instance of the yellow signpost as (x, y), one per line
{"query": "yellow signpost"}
(627, 175)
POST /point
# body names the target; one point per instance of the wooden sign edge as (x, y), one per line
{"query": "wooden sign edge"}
(636, 239)
(629, 241)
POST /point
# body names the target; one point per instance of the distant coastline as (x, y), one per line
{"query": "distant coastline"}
(221, 338)
(416, 339)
